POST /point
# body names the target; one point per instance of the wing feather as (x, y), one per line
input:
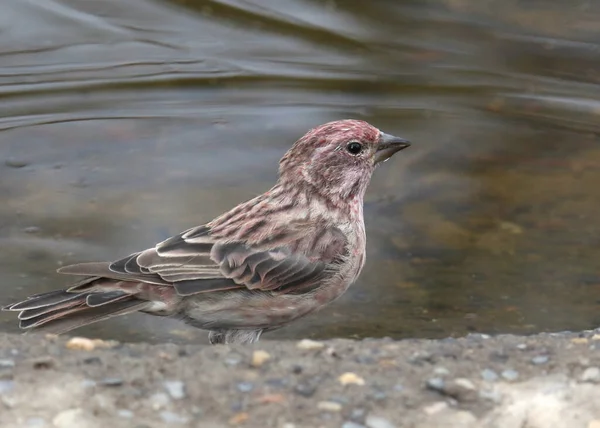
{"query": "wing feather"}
(194, 262)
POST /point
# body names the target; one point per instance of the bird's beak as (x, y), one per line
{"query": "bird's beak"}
(388, 145)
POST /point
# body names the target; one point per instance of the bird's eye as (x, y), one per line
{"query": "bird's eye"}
(354, 148)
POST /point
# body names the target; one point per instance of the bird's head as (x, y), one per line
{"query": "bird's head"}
(338, 158)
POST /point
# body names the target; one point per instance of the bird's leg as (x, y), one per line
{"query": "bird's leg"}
(234, 336)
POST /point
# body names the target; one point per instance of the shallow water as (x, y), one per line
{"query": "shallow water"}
(124, 122)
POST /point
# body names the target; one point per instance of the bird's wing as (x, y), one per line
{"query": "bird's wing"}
(194, 262)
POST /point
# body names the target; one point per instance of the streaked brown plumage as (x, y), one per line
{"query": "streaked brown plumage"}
(257, 267)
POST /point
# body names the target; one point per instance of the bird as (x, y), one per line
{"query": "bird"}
(263, 264)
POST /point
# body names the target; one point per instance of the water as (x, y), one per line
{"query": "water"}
(122, 123)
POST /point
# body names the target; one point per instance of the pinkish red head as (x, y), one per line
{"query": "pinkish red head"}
(338, 158)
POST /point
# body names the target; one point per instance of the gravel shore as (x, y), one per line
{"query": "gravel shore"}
(545, 380)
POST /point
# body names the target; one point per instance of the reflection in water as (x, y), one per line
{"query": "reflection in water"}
(125, 122)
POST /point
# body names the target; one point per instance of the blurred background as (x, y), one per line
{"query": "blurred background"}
(124, 122)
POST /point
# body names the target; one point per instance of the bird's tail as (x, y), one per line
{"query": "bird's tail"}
(92, 300)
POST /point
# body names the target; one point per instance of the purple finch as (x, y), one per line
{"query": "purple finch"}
(259, 266)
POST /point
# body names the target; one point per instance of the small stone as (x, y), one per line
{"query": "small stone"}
(277, 382)
(6, 386)
(35, 422)
(434, 408)
(596, 337)
(71, 418)
(522, 346)
(173, 418)
(579, 340)
(305, 390)
(357, 414)
(245, 386)
(373, 421)
(330, 406)
(271, 398)
(83, 343)
(7, 364)
(441, 371)
(233, 359)
(16, 163)
(510, 374)
(351, 424)
(350, 378)
(124, 413)
(111, 381)
(175, 388)
(43, 363)
(489, 375)
(239, 418)
(398, 387)
(88, 383)
(436, 384)
(259, 357)
(591, 374)
(159, 400)
(288, 425)
(32, 229)
(491, 395)
(310, 345)
(540, 359)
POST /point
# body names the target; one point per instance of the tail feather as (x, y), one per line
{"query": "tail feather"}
(43, 300)
(61, 321)
(61, 310)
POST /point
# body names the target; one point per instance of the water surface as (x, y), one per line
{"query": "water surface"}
(122, 123)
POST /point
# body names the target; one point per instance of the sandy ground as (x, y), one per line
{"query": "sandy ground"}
(546, 380)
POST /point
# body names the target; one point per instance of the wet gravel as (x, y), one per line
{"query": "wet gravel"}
(477, 381)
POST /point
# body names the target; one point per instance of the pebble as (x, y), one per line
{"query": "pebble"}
(173, 418)
(436, 407)
(239, 418)
(245, 386)
(16, 163)
(159, 400)
(522, 346)
(43, 363)
(306, 389)
(71, 418)
(6, 386)
(357, 414)
(175, 388)
(441, 371)
(489, 375)
(85, 344)
(350, 378)
(373, 421)
(259, 357)
(436, 384)
(540, 359)
(351, 424)
(233, 359)
(32, 229)
(35, 422)
(124, 413)
(111, 381)
(88, 383)
(510, 374)
(310, 345)
(330, 406)
(7, 364)
(591, 374)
